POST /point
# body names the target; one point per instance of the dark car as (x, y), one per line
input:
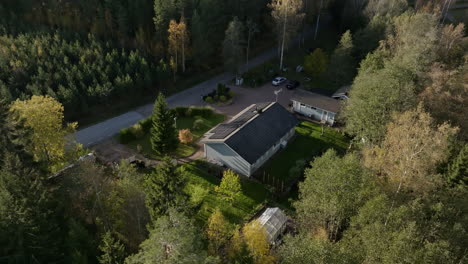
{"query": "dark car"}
(292, 85)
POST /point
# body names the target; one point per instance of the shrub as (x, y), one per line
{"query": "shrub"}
(185, 136)
(125, 136)
(146, 124)
(209, 99)
(230, 186)
(221, 89)
(189, 112)
(198, 194)
(198, 124)
(137, 130)
(296, 171)
(223, 98)
(180, 111)
(231, 94)
(202, 111)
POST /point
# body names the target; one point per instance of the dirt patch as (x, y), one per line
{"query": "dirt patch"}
(110, 151)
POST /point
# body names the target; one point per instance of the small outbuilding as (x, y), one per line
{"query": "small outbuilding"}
(250, 138)
(316, 106)
(274, 220)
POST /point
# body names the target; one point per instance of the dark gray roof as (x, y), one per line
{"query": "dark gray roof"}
(259, 135)
(225, 129)
(317, 100)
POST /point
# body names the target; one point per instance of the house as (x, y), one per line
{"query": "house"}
(342, 93)
(274, 221)
(316, 106)
(250, 138)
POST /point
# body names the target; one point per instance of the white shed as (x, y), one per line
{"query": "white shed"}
(274, 221)
(316, 106)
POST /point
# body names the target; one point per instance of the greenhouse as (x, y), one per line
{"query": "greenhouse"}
(274, 221)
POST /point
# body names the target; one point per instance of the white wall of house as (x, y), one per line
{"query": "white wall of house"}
(282, 142)
(222, 153)
(314, 112)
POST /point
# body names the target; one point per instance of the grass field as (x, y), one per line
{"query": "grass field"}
(183, 150)
(253, 196)
(307, 144)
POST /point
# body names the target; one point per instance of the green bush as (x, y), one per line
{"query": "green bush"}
(180, 111)
(125, 136)
(231, 94)
(223, 98)
(296, 171)
(146, 124)
(209, 100)
(202, 111)
(198, 194)
(198, 124)
(137, 130)
(189, 112)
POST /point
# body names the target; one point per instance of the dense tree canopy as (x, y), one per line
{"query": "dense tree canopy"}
(77, 73)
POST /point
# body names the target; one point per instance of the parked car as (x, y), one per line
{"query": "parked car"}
(278, 80)
(292, 84)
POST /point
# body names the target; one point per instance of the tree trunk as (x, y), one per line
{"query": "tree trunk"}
(183, 53)
(283, 40)
(248, 48)
(318, 20)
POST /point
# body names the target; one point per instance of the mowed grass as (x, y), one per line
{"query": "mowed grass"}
(183, 150)
(307, 144)
(252, 198)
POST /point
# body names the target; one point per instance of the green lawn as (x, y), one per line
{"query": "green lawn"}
(182, 123)
(253, 196)
(307, 144)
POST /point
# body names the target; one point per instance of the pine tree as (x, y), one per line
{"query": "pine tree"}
(13, 136)
(457, 171)
(163, 132)
(113, 251)
(164, 189)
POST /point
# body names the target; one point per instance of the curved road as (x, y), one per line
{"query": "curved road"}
(192, 96)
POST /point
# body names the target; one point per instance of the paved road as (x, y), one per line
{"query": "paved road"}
(106, 129)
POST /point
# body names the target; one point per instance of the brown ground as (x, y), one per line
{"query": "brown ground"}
(110, 151)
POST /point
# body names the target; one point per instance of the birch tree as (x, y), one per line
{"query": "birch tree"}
(174, 39)
(44, 116)
(233, 51)
(178, 42)
(288, 16)
(411, 151)
(252, 29)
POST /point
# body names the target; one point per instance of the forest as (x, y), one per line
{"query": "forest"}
(397, 192)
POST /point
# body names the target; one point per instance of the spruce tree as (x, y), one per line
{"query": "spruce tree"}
(163, 132)
(113, 251)
(457, 170)
(164, 189)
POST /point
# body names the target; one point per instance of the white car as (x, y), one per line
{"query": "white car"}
(278, 80)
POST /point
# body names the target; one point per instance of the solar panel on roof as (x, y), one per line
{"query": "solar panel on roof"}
(224, 130)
